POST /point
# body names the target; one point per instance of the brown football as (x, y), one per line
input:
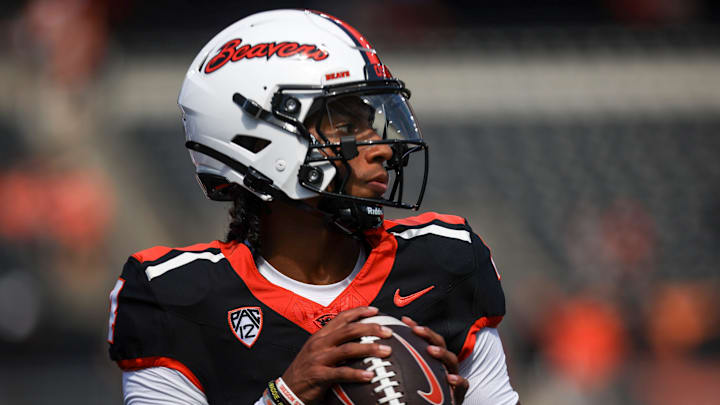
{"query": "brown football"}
(409, 376)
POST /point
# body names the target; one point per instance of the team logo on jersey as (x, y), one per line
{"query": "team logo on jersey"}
(323, 320)
(232, 51)
(246, 323)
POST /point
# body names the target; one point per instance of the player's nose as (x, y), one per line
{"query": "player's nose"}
(379, 152)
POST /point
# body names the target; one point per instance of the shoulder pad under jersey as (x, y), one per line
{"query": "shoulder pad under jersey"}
(473, 296)
(177, 276)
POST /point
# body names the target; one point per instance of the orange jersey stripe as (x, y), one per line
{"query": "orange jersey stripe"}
(157, 252)
(427, 218)
(469, 345)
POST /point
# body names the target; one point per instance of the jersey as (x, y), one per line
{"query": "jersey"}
(205, 310)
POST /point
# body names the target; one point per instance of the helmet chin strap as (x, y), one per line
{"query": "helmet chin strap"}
(349, 217)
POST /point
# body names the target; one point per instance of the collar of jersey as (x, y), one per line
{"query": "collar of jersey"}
(361, 291)
(322, 294)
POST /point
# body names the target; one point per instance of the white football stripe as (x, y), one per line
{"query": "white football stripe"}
(179, 261)
(435, 230)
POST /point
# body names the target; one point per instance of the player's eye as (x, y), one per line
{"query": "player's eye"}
(346, 128)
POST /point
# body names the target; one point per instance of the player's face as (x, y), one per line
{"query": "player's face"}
(351, 116)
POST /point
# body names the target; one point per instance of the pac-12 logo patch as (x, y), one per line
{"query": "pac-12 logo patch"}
(246, 323)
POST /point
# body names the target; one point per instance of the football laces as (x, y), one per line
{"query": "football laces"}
(383, 377)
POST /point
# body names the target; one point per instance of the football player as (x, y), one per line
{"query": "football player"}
(291, 115)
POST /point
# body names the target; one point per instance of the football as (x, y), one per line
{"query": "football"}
(409, 376)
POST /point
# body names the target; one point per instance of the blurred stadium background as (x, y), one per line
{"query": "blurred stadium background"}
(580, 138)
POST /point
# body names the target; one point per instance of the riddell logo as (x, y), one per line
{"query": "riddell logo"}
(374, 210)
(232, 51)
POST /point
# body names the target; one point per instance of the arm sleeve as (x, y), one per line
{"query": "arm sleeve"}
(486, 372)
(161, 386)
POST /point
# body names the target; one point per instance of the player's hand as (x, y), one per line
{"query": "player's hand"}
(315, 369)
(439, 350)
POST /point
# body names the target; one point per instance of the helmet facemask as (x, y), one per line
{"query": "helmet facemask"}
(342, 125)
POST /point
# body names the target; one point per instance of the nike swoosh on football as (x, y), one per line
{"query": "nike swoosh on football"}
(403, 301)
(435, 396)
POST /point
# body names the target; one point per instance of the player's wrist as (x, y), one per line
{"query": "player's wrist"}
(287, 393)
(278, 393)
(271, 395)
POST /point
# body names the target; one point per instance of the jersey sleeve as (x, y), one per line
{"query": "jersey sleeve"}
(476, 296)
(143, 333)
(140, 322)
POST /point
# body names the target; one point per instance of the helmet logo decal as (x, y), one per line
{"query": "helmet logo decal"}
(382, 71)
(231, 51)
(337, 75)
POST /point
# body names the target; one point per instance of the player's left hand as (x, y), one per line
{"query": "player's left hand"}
(439, 350)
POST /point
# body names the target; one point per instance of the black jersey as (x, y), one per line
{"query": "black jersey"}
(206, 311)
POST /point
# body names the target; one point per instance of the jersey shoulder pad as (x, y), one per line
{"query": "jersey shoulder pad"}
(157, 253)
(178, 276)
(442, 231)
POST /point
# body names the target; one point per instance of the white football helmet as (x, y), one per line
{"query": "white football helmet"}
(245, 105)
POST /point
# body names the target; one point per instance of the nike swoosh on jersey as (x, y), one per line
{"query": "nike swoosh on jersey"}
(403, 301)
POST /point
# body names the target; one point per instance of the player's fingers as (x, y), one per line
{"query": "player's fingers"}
(351, 315)
(345, 317)
(447, 357)
(356, 330)
(354, 350)
(459, 385)
(348, 374)
(428, 334)
(409, 321)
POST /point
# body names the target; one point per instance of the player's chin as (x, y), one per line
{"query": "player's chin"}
(369, 195)
(375, 189)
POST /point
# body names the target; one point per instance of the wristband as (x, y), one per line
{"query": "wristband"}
(287, 394)
(271, 396)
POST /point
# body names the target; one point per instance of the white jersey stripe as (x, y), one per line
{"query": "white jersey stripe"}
(435, 230)
(179, 261)
(113, 308)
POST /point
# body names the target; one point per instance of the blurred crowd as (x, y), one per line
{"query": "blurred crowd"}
(608, 244)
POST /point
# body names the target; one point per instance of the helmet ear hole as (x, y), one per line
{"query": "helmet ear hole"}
(251, 143)
(217, 188)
